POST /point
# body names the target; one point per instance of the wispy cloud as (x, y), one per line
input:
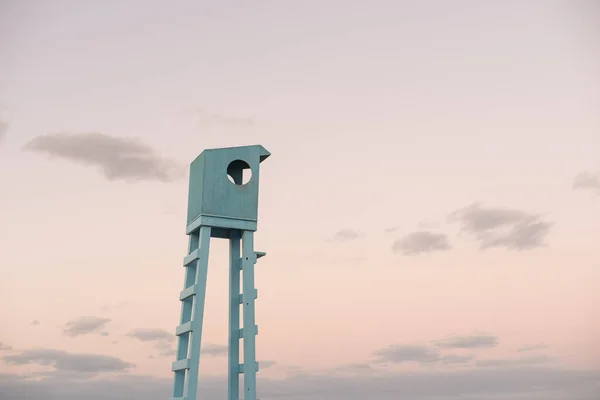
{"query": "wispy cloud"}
(474, 341)
(3, 129)
(151, 335)
(407, 353)
(533, 347)
(35, 322)
(587, 181)
(522, 382)
(65, 361)
(264, 364)
(454, 359)
(162, 340)
(5, 347)
(345, 235)
(502, 227)
(515, 362)
(421, 242)
(85, 326)
(211, 349)
(117, 158)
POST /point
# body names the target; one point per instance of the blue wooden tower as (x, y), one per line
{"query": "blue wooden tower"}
(221, 205)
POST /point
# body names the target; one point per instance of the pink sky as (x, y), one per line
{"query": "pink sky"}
(383, 119)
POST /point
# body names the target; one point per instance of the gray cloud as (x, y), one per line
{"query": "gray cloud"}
(450, 359)
(86, 325)
(499, 227)
(421, 242)
(211, 349)
(35, 322)
(587, 181)
(523, 383)
(264, 364)
(532, 347)
(347, 235)
(117, 158)
(163, 340)
(3, 129)
(474, 341)
(407, 353)
(5, 347)
(65, 361)
(165, 348)
(151, 335)
(515, 362)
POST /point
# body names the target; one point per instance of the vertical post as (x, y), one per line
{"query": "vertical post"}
(249, 330)
(234, 316)
(198, 312)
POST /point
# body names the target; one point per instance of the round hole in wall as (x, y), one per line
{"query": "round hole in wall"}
(239, 172)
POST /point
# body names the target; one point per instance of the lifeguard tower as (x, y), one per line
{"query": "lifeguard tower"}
(221, 205)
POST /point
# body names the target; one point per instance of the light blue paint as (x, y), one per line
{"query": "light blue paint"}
(220, 208)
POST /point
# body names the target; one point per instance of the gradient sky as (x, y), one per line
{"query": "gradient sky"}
(430, 211)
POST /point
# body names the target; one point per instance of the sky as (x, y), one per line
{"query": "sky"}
(430, 209)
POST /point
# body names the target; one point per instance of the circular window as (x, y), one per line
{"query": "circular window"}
(239, 172)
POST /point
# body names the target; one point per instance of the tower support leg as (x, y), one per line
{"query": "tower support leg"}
(234, 315)
(189, 331)
(249, 330)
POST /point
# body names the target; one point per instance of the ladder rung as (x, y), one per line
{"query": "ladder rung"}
(241, 331)
(190, 258)
(188, 292)
(180, 365)
(255, 296)
(241, 367)
(183, 328)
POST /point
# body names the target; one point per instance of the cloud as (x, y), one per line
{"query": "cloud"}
(515, 362)
(532, 347)
(450, 359)
(165, 348)
(5, 347)
(264, 364)
(162, 339)
(347, 234)
(164, 342)
(421, 242)
(65, 361)
(526, 382)
(407, 353)
(35, 322)
(500, 227)
(117, 158)
(86, 325)
(473, 341)
(151, 335)
(587, 181)
(211, 349)
(3, 129)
